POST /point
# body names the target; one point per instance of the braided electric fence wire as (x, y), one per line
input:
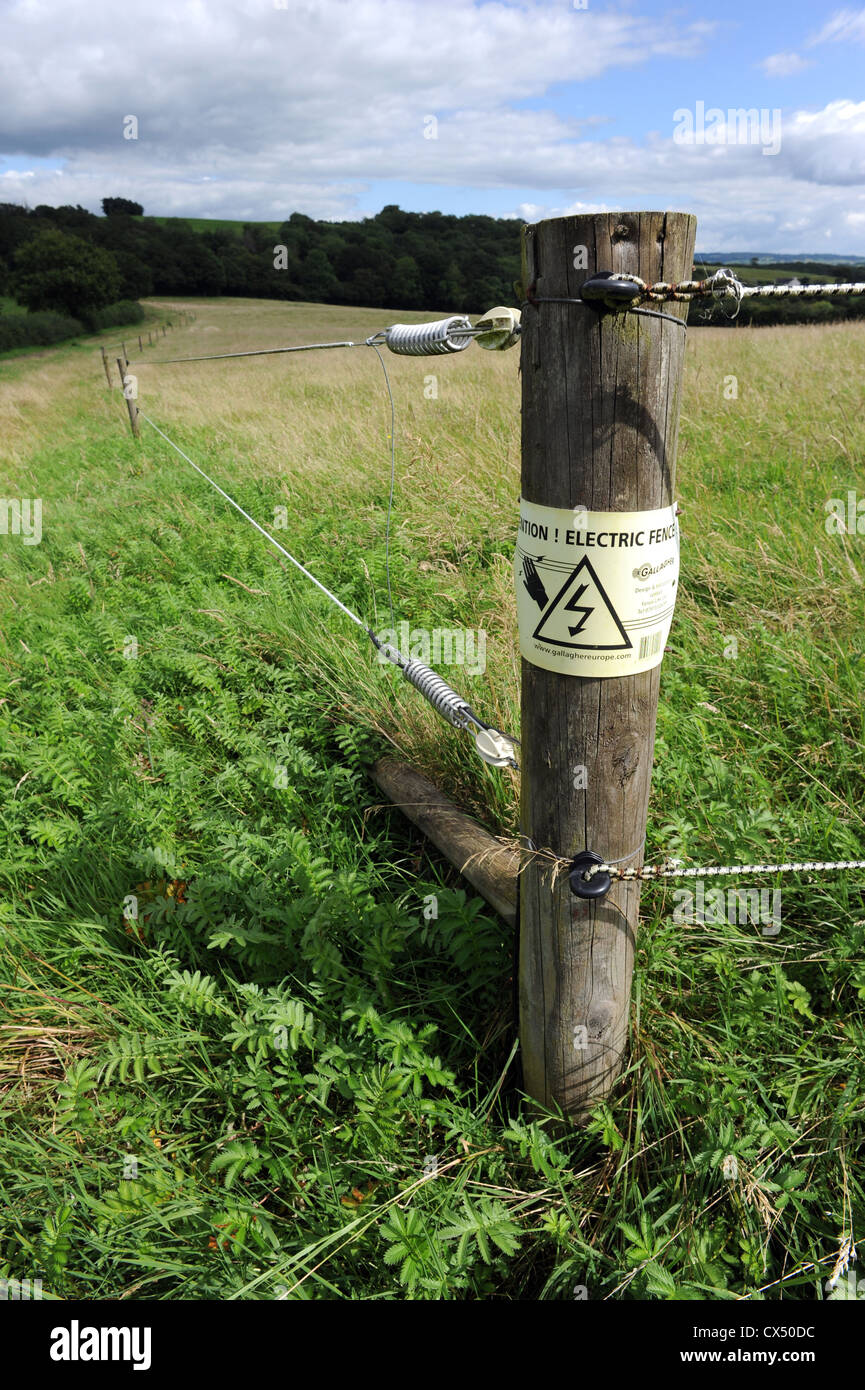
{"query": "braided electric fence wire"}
(671, 869)
(603, 292)
(724, 283)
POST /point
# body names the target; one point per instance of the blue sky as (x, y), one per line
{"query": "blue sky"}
(256, 108)
(728, 71)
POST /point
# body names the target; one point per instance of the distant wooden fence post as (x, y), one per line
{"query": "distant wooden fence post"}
(130, 391)
(105, 365)
(600, 395)
(140, 348)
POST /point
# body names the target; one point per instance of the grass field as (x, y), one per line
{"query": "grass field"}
(214, 224)
(279, 1079)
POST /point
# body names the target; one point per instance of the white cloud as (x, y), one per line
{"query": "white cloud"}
(250, 111)
(302, 106)
(846, 26)
(814, 185)
(206, 77)
(784, 64)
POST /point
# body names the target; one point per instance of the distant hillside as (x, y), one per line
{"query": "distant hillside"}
(776, 258)
(213, 224)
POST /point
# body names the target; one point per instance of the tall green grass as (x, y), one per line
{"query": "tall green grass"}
(241, 1055)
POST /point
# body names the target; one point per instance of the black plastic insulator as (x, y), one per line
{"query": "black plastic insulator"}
(604, 290)
(595, 887)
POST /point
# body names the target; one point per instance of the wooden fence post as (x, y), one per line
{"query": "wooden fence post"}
(601, 396)
(127, 383)
(140, 348)
(105, 365)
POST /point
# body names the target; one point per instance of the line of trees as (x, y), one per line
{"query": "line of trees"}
(396, 259)
(70, 261)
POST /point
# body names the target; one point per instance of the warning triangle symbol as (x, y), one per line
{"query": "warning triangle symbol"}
(581, 615)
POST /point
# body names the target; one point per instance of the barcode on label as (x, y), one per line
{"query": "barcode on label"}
(651, 645)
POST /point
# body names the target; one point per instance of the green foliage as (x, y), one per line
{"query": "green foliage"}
(74, 1103)
(120, 315)
(65, 274)
(407, 260)
(111, 207)
(36, 330)
(485, 1225)
(257, 1037)
(396, 259)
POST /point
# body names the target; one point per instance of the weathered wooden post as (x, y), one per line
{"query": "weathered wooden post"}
(130, 395)
(105, 366)
(140, 348)
(596, 572)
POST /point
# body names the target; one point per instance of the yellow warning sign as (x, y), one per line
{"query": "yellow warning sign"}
(595, 590)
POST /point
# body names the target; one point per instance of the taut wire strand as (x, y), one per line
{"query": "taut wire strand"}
(252, 521)
(436, 691)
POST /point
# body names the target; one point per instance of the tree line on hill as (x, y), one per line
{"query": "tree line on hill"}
(70, 262)
(395, 259)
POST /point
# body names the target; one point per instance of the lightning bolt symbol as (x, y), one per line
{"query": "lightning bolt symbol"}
(573, 606)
